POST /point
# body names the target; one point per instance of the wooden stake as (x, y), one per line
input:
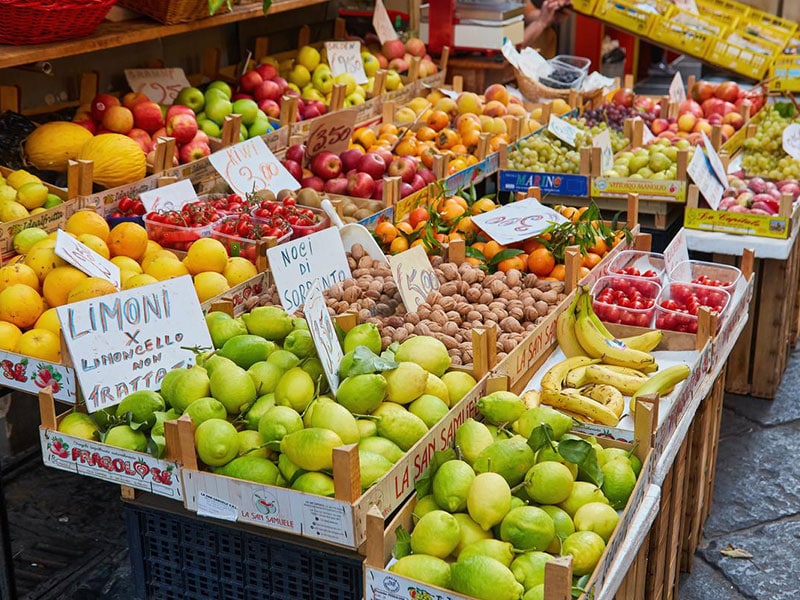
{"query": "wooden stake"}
(572, 261)
(633, 211)
(346, 473)
(374, 543)
(558, 578)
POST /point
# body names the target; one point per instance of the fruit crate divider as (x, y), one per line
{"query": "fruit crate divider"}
(165, 150)
(79, 178)
(337, 97)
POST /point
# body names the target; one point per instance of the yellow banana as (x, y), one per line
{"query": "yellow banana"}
(553, 379)
(626, 384)
(576, 378)
(531, 399)
(627, 371)
(607, 395)
(645, 341)
(565, 329)
(661, 382)
(572, 400)
(601, 327)
(612, 352)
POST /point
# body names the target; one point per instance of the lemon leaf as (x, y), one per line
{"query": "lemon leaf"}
(540, 436)
(424, 484)
(402, 547)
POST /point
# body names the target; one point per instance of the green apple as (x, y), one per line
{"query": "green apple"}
(299, 76)
(259, 127)
(217, 109)
(308, 56)
(215, 94)
(248, 109)
(371, 64)
(243, 132)
(311, 93)
(360, 91)
(347, 80)
(210, 128)
(322, 79)
(221, 85)
(52, 200)
(191, 97)
(393, 81)
(294, 87)
(200, 116)
(353, 100)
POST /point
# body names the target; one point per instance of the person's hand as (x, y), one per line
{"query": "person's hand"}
(550, 9)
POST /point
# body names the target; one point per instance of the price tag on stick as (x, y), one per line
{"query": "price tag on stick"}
(414, 276)
(169, 197)
(677, 91)
(562, 130)
(716, 162)
(517, 221)
(382, 23)
(677, 255)
(331, 132)
(323, 333)
(159, 85)
(251, 165)
(791, 141)
(85, 259)
(345, 57)
(603, 141)
(702, 174)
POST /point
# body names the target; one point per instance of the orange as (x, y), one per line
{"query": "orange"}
(87, 221)
(480, 247)
(569, 212)
(20, 305)
(40, 343)
(18, 273)
(451, 210)
(591, 260)
(9, 334)
(599, 246)
(365, 136)
(583, 272)
(474, 261)
(407, 147)
(491, 249)
(128, 239)
(456, 165)
(531, 244)
(541, 262)
(482, 205)
(417, 216)
(465, 225)
(385, 232)
(559, 272)
(399, 244)
(514, 262)
(405, 227)
(59, 283)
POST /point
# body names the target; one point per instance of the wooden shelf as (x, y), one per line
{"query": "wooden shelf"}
(124, 33)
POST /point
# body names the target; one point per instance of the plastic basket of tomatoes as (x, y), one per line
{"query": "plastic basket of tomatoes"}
(178, 229)
(240, 234)
(625, 299)
(227, 204)
(302, 219)
(637, 263)
(127, 210)
(707, 273)
(678, 304)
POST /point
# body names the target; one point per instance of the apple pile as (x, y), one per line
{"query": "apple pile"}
(356, 173)
(397, 55)
(756, 195)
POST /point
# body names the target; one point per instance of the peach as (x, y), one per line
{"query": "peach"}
(393, 49)
(702, 126)
(494, 108)
(728, 130)
(448, 105)
(734, 119)
(497, 92)
(131, 99)
(398, 64)
(686, 122)
(415, 47)
(383, 62)
(469, 102)
(516, 110)
(659, 125)
(118, 119)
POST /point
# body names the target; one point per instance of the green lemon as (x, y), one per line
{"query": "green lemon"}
(278, 422)
(372, 467)
(528, 528)
(528, 568)
(502, 552)
(265, 376)
(469, 531)
(204, 409)
(458, 385)
(295, 389)
(398, 425)
(270, 322)
(472, 438)
(300, 343)
(283, 359)
(563, 524)
(586, 548)
(386, 448)
(548, 482)
(437, 533)
(424, 568)
(533, 417)
(597, 517)
(511, 458)
(423, 506)
(79, 425)
(311, 449)
(548, 453)
(217, 442)
(142, 404)
(451, 484)
(618, 482)
(367, 428)
(362, 394)
(365, 334)
(484, 578)
(406, 383)
(436, 387)
(582, 493)
(314, 483)
(333, 416)
(250, 468)
(246, 350)
(258, 409)
(251, 444)
(428, 352)
(431, 409)
(501, 407)
(488, 499)
(122, 436)
(231, 385)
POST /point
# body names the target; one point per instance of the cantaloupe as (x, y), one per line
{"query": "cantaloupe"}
(117, 159)
(51, 145)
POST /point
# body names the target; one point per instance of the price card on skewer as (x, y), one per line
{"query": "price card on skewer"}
(677, 91)
(251, 165)
(323, 333)
(715, 160)
(169, 197)
(702, 174)
(382, 23)
(562, 130)
(345, 57)
(159, 85)
(85, 259)
(791, 141)
(517, 221)
(331, 132)
(603, 141)
(677, 255)
(414, 276)
(647, 135)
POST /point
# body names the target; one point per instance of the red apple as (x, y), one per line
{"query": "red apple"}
(399, 64)
(337, 185)
(101, 103)
(727, 91)
(141, 137)
(659, 125)
(147, 116)
(415, 47)
(131, 99)
(193, 151)
(267, 71)
(271, 108)
(283, 83)
(294, 168)
(310, 112)
(385, 154)
(715, 119)
(702, 91)
(377, 193)
(426, 174)
(728, 107)
(296, 152)
(418, 182)
(393, 49)
(118, 119)
(372, 164)
(268, 90)
(713, 105)
(403, 167)
(182, 127)
(733, 118)
(360, 185)
(405, 189)
(178, 109)
(241, 96)
(250, 81)
(158, 133)
(319, 105)
(201, 136)
(87, 123)
(350, 159)
(326, 165)
(644, 104)
(313, 182)
(690, 106)
(623, 97)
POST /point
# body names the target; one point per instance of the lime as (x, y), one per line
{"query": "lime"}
(484, 578)
(488, 499)
(528, 528)
(217, 442)
(424, 568)
(586, 548)
(451, 484)
(437, 533)
(597, 517)
(548, 482)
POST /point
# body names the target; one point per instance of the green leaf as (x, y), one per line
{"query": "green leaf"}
(575, 451)
(471, 252)
(423, 484)
(785, 109)
(504, 255)
(402, 545)
(366, 361)
(390, 351)
(266, 5)
(590, 469)
(540, 437)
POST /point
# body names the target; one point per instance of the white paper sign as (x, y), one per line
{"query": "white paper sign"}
(603, 141)
(216, 508)
(414, 276)
(345, 57)
(251, 165)
(323, 333)
(647, 135)
(160, 85)
(85, 259)
(715, 160)
(169, 197)
(382, 23)
(510, 53)
(677, 91)
(562, 130)
(791, 141)
(676, 255)
(129, 341)
(517, 221)
(295, 265)
(702, 174)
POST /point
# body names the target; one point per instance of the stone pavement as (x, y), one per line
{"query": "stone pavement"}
(756, 501)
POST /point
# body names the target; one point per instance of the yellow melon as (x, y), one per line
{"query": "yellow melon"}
(51, 145)
(117, 159)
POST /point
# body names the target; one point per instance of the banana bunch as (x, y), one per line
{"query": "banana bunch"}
(599, 371)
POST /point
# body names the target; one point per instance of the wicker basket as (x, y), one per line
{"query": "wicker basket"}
(534, 90)
(42, 21)
(172, 11)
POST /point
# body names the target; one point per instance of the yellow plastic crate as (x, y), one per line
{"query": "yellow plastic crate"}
(785, 73)
(776, 30)
(727, 11)
(626, 15)
(733, 57)
(584, 6)
(689, 33)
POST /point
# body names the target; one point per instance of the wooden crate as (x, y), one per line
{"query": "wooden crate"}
(758, 360)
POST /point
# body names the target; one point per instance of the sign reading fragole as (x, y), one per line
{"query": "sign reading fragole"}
(169, 197)
(129, 341)
(345, 57)
(517, 221)
(296, 264)
(331, 132)
(85, 259)
(159, 85)
(323, 333)
(791, 141)
(414, 276)
(562, 130)
(250, 165)
(382, 23)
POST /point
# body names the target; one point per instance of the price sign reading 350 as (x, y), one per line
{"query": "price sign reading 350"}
(345, 57)
(331, 132)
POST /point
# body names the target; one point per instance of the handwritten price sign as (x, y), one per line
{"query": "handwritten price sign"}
(345, 57)
(715, 160)
(562, 130)
(323, 333)
(603, 141)
(382, 23)
(677, 91)
(160, 85)
(791, 141)
(517, 221)
(676, 257)
(702, 174)
(414, 276)
(85, 259)
(251, 165)
(331, 132)
(647, 135)
(169, 197)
